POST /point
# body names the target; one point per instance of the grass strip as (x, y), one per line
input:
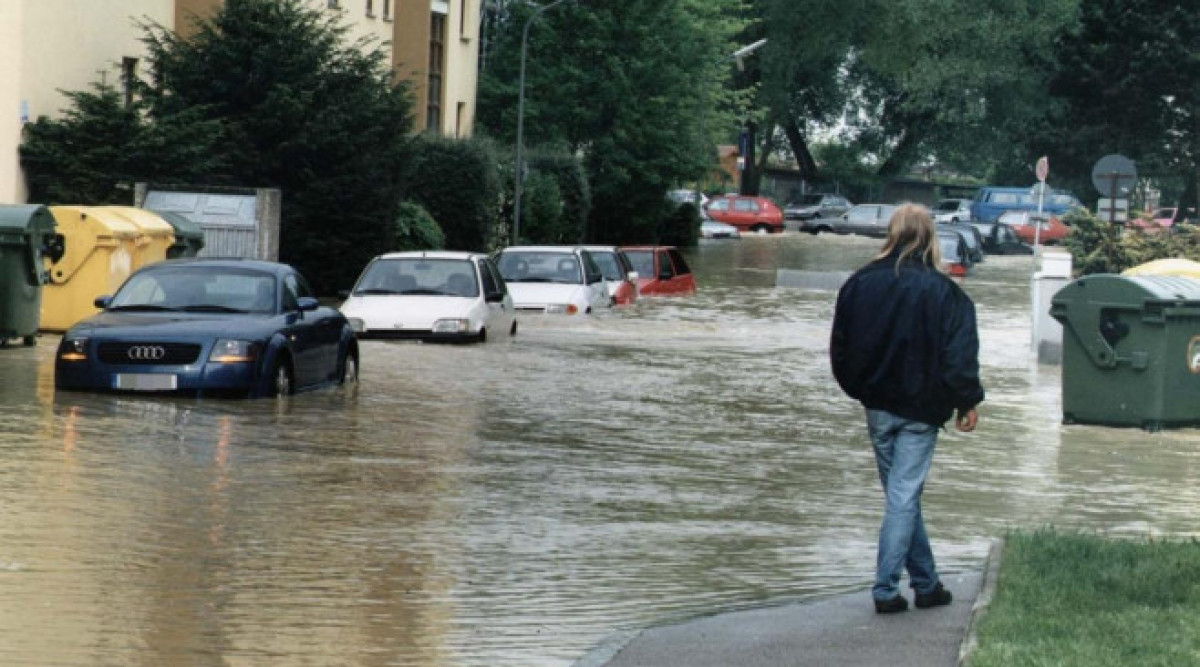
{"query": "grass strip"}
(1068, 599)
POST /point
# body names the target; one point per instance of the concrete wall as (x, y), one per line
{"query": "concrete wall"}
(12, 189)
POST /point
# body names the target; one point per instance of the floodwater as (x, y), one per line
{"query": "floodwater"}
(521, 502)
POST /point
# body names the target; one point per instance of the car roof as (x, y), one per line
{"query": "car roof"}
(544, 248)
(601, 248)
(224, 263)
(431, 254)
(647, 247)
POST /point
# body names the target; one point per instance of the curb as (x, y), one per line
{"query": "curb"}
(987, 590)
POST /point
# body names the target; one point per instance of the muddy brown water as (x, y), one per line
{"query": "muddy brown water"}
(519, 502)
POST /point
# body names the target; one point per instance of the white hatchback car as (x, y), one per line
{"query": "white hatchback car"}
(433, 296)
(553, 280)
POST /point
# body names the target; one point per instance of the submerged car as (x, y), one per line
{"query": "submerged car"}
(952, 210)
(661, 270)
(209, 327)
(711, 229)
(864, 219)
(431, 296)
(971, 235)
(955, 259)
(811, 206)
(749, 214)
(619, 277)
(1030, 226)
(1004, 241)
(553, 280)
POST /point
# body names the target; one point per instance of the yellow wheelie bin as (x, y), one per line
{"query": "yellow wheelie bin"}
(156, 235)
(98, 254)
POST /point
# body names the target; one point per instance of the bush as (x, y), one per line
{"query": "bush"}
(1098, 247)
(458, 183)
(555, 200)
(416, 229)
(681, 227)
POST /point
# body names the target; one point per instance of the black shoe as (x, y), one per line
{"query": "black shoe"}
(892, 606)
(936, 598)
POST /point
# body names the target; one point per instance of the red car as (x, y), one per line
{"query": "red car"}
(661, 270)
(1023, 223)
(748, 214)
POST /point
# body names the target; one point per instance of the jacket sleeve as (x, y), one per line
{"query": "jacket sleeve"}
(838, 340)
(960, 357)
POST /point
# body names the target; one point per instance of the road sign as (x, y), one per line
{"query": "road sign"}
(1042, 170)
(1116, 210)
(1114, 175)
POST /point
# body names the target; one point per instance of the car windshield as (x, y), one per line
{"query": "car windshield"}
(948, 205)
(642, 261)
(540, 267)
(419, 276)
(609, 266)
(197, 288)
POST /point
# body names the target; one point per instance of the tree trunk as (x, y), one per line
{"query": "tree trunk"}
(804, 158)
(748, 183)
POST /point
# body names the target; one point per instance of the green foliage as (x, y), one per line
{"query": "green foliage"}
(558, 185)
(100, 147)
(457, 181)
(299, 108)
(1099, 247)
(681, 227)
(416, 229)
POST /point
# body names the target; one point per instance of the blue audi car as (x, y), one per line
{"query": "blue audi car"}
(223, 327)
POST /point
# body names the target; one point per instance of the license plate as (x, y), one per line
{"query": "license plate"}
(145, 381)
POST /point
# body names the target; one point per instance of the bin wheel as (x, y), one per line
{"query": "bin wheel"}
(29, 340)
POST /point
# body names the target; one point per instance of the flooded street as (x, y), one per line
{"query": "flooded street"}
(520, 502)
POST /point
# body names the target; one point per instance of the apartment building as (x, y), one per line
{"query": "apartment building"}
(52, 45)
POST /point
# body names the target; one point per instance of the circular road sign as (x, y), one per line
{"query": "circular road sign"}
(1114, 175)
(1042, 170)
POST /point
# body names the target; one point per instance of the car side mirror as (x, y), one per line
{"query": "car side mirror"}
(307, 304)
(102, 302)
(494, 297)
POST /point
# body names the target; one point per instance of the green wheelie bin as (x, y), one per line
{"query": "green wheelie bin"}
(1131, 350)
(189, 237)
(25, 233)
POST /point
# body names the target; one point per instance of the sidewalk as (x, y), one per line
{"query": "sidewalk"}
(843, 631)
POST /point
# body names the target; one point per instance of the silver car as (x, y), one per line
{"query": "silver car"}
(864, 219)
(809, 207)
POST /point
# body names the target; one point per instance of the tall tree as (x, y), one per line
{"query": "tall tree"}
(303, 109)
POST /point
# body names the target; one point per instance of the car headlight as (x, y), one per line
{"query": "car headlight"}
(73, 349)
(229, 351)
(562, 309)
(452, 326)
(356, 324)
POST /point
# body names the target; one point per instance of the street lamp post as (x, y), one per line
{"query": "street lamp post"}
(519, 180)
(738, 57)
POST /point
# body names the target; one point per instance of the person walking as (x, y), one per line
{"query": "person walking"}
(905, 345)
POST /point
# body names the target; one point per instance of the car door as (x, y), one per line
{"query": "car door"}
(594, 278)
(500, 308)
(745, 212)
(682, 281)
(860, 219)
(313, 335)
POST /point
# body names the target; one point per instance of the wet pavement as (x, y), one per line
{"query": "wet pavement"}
(523, 502)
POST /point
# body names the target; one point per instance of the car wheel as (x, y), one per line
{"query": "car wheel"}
(761, 229)
(281, 379)
(349, 374)
(483, 335)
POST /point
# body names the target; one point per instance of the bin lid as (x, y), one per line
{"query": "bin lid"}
(1132, 291)
(184, 228)
(1166, 267)
(25, 220)
(148, 223)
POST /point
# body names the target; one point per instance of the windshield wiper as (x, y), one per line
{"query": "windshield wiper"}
(142, 306)
(530, 280)
(377, 290)
(212, 308)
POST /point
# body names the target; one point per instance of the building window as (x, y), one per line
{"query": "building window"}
(387, 10)
(462, 19)
(437, 49)
(333, 4)
(128, 77)
(460, 116)
(370, 9)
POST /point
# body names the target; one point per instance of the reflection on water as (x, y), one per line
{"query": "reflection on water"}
(516, 503)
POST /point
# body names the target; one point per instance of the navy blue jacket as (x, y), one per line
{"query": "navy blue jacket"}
(906, 342)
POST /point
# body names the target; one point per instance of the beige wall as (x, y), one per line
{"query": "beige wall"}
(12, 189)
(462, 68)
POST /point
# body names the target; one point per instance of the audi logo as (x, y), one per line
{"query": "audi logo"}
(146, 352)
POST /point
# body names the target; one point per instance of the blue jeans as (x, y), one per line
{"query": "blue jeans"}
(903, 452)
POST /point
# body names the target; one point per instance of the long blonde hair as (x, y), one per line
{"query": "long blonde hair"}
(912, 232)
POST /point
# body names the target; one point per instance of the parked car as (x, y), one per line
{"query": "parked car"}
(711, 229)
(971, 237)
(991, 201)
(1158, 219)
(661, 270)
(864, 219)
(816, 206)
(553, 280)
(619, 277)
(748, 214)
(1026, 225)
(430, 296)
(1004, 241)
(952, 210)
(209, 327)
(685, 196)
(955, 261)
